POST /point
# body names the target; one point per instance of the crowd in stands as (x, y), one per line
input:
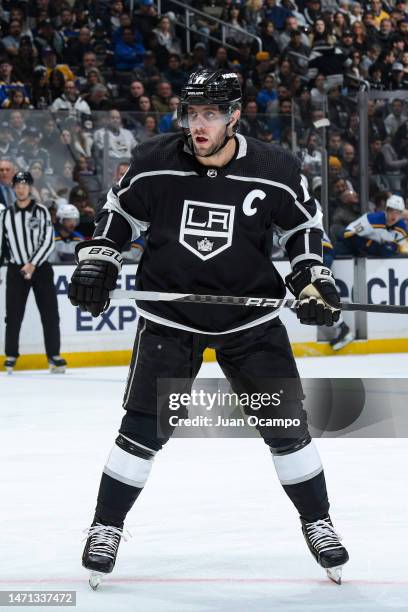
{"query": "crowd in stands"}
(82, 82)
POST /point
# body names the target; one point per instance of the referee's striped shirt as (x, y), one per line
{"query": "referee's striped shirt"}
(26, 234)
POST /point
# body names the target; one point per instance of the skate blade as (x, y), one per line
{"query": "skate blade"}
(346, 340)
(334, 573)
(9, 371)
(95, 579)
(57, 369)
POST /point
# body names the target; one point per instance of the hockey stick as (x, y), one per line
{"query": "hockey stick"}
(228, 300)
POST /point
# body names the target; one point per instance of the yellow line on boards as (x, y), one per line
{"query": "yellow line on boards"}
(300, 349)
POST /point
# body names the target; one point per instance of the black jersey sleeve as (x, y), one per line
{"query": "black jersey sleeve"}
(299, 221)
(125, 213)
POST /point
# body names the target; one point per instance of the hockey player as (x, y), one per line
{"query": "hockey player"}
(65, 236)
(209, 199)
(380, 234)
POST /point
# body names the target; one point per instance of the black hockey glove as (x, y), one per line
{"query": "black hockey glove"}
(99, 263)
(316, 288)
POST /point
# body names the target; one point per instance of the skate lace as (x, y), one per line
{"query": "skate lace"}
(323, 536)
(105, 539)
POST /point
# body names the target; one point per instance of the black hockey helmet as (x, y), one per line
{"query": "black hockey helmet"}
(23, 177)
(210, 87)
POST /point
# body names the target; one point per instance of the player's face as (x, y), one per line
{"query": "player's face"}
(69, 225)
(207, 127)
(393, 216)
(22, 191)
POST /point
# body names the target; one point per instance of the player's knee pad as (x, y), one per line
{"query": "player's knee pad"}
(295, 460)
(143, 429)
(129, 462)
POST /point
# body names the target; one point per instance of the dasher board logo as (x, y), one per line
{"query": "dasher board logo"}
(206, 229)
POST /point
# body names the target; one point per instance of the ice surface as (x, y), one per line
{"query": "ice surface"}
(213, 530)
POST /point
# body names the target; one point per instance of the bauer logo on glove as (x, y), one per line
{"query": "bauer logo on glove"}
(320, 299)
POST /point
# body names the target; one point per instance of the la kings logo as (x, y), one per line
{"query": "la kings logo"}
(206, 229)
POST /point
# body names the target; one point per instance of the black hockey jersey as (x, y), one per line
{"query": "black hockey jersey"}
(209, 230)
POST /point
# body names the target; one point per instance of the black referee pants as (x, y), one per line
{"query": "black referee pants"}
(17, 290)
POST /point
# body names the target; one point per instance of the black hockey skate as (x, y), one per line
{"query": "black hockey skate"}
(343, 337)
(100, 550)
(9, 364)
(324, 544)
(57, 364)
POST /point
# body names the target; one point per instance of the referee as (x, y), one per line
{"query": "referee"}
(26, 238)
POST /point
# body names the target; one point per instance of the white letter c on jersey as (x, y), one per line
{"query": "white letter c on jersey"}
(247, 203)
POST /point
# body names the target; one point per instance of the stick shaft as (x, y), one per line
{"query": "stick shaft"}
(229, 300)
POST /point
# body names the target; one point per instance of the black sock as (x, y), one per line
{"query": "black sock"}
(310, 497)
(115, 499)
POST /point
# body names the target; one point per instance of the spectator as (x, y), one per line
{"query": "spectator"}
(42, 182)
(89, 62)
(267, 94)
(252, 124)
(396, 117)
(48, 37)
(40, 91)
(269, 37)
(145, 19)
(7, 171)
(318, 92)
(298, 54)
(94, 77)
(148, 73)
(70, 101)
(80, 199)
(235, 32)
(17, 125)
(49, 59)
(394, 165)
(7, 80)
(379, 13)
(12, 41)
(168, 123)
(165, 38)
(346, 212)
(175, 74)
(16, 100)
(145, 104)
(77, 46)
(338, 108)
(348, 157)
(116, 10)
(321, 34)
(334, 145)
(131, 102)
(128, 52)
(292, 25)
(57, 84)
(29, 150)
(283, 121)
(311, 156)
(116, 140)
(252, 15)
(276, 14)
(220, 60)
(161, 99)
(99, 98)
(25, 60)
(150, 127)
(67, 27)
